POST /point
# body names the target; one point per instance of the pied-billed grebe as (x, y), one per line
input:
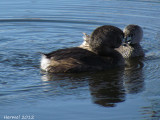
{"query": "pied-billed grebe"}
(131, 47)
(77, 59)
(105, 38)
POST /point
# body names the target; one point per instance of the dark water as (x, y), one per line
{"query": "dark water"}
(33, 26)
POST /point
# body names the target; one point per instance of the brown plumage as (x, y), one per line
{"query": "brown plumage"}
(80, 60)
(102, 56)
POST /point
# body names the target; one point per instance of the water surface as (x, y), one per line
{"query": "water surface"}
(30, 27)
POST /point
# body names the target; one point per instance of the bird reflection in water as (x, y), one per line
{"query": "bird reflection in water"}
(106, 88)
(133, 76)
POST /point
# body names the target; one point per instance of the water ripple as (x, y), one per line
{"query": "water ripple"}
(47, 20)
(29, 27)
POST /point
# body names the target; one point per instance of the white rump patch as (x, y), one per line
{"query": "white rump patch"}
(45, 62)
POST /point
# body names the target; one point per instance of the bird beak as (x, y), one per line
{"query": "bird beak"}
(127, 40)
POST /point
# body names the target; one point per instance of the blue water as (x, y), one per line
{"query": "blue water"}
(28, 27)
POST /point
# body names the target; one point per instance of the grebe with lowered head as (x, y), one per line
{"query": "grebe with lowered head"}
(76, 59)
(131, 48)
